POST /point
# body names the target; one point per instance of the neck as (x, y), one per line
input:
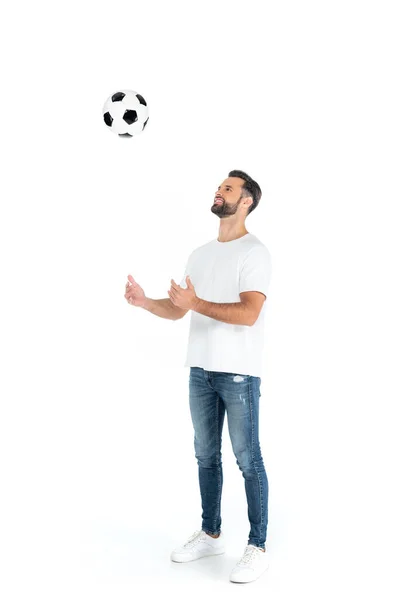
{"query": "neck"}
(228, 236)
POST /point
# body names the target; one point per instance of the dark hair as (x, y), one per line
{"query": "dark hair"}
(249, 188)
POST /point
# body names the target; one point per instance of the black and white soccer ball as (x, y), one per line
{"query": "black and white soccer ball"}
(126, 113)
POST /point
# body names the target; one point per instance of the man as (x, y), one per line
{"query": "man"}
(226, 287)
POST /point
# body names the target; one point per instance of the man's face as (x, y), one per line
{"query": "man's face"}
(227, 198)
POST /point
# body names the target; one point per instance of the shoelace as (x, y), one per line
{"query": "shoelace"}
(249, 553)
(192, 540)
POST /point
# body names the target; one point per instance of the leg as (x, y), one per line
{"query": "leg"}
(207, 412)
(241, 394)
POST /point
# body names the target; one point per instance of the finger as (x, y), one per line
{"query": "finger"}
(174, 285)
(132, 289)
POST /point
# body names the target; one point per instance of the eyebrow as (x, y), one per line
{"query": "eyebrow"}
(226, 186)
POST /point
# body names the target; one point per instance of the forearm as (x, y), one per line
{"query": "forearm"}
(235, 313)
(162, 308)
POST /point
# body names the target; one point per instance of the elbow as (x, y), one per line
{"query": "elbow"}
(250, 315)
(252, 319)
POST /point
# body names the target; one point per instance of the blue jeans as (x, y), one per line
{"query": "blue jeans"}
(210, 394)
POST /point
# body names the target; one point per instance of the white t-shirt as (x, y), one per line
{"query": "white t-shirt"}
(219, 271)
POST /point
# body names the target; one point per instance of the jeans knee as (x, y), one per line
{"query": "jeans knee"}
(208, 462)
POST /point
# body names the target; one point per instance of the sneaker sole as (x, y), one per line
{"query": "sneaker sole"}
(183, 559)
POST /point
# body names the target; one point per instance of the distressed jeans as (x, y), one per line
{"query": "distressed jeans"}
(211, 393)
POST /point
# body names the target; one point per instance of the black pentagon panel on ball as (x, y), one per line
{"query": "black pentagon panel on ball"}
(141, 99)
(130, 116)
(145, 123)
(125, 135)
(117, 97)
(108, 120)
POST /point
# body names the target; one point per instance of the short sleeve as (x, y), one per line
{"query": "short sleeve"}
(255, 273)
(187, 272)
(183, 280)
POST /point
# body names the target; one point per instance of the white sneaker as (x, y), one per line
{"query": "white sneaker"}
(200, 544)
(252, 564)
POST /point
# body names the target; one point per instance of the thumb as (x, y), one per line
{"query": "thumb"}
(189, 283)
(131, 279)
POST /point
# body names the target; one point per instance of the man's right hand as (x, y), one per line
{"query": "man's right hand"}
(134, 294)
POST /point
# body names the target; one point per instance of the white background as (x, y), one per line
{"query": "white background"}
(98, 470)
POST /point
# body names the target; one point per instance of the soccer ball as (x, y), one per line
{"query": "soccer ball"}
(126, 113)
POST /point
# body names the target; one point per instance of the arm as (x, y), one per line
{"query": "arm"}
(235, 313)
(164, 308)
